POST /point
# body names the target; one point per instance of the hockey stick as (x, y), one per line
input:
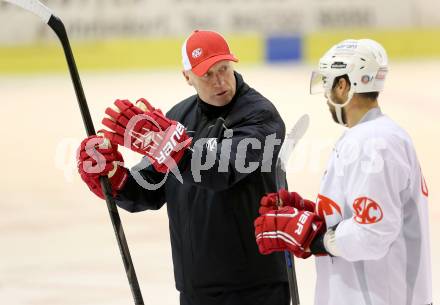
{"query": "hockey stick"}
(295, 134)
(36, 7)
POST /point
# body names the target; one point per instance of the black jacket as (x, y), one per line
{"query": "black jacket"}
(211, 218)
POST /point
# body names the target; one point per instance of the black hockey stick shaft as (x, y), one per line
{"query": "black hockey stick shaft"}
(58, 27)
(291, 276)
(290, 263)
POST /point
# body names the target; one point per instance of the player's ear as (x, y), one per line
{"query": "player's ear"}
(187, 77)
(341, 83)
(342, 87)
(345, 85)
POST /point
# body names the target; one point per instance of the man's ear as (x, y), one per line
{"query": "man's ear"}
(344, 85)
(187, 78)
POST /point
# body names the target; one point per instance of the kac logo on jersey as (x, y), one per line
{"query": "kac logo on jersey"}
(367, 211)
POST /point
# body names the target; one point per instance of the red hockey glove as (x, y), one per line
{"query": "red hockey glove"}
(98, 157)
(145, 130)
(269, 201)
(287, 229)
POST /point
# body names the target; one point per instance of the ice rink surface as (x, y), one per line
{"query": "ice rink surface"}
(57, 243)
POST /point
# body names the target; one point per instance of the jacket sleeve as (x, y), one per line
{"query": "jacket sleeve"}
(144, 189)
(374, 187)
(250, 146)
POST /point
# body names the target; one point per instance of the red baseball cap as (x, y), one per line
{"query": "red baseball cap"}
(203, 49)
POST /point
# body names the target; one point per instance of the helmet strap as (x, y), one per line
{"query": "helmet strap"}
(339, 107)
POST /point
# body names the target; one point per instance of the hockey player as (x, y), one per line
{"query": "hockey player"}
(369, 225)
(211, 209)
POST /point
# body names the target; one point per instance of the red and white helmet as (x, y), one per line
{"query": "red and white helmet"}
(364, 61)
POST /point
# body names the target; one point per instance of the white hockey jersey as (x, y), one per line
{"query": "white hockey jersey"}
(374, 190)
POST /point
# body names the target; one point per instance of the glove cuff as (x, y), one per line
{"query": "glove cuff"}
(325, 243)
(118, 180)
(329, 241)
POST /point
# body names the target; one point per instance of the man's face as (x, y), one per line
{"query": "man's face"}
(217, 87)
(336, 97)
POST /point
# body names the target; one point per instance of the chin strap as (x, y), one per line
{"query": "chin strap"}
(338, 107)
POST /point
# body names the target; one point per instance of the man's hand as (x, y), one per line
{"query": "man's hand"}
(96, 157)
(287, 229)
(145, 130)
(292, 199)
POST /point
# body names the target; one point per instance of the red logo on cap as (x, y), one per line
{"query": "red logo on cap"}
(367, 211)
(197, 52)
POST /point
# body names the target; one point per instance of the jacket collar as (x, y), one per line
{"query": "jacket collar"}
(371, 114)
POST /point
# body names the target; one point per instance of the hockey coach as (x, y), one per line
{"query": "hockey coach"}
(210, 159)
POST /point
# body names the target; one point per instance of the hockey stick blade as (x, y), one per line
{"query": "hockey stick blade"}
(35, 7)
(292, 138)
(57, 26)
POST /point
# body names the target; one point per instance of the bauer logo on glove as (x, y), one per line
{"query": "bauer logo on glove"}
(145, 130)
(287, 229)
(155, 143)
